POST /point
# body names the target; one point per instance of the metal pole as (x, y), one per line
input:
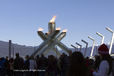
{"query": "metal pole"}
(86, 47)
(99, 34)
(52, 25)
(42, 35)
(74, 47)
(61, 36)
(92, 46)
(10, 42)
(64, 47)
(112, 40)
(79, 45)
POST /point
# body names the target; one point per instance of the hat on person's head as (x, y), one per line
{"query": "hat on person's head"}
(103, 49)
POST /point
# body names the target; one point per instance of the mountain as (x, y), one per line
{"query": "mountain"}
(21, 49)
(24, 50)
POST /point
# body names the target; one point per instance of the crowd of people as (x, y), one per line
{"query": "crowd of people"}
(73, 65)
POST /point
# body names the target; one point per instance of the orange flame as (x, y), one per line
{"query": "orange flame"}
(65, 30)
(53, 19)
(40, 29)
(58, 28)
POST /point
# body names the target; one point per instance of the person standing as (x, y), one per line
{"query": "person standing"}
(18, 65)
(32, 66)
(105, 67)
(2, 66)
(77, 65)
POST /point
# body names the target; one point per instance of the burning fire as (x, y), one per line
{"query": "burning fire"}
(58, 28)
(53, 19)
(65, 30)
(40, 29)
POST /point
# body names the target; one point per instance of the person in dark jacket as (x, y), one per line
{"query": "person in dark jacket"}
(18, 62)
(77, 65)
(26, 62)
(52, 66)
(64, 63)
(105, 67)
(2, 67)
(42, 65)
(18, 65)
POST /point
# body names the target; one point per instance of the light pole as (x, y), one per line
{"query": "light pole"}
(86, 46)
(92, 45)
(99, 34)
(110, 30)
(79, 45)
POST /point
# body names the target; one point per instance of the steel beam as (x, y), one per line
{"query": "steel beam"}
(93, 45)
(112, 39)
(79, 45)
(99, 34)
(85, 47)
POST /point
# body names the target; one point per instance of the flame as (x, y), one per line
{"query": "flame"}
(58, 28)
(65, 30)
(40, 29)
(53, 19)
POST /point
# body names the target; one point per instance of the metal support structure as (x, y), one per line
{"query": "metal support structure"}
(99, 34)
(64, 47)
(10, 44)
(42, 35)
(92, 45)
(79, 45)
(61, 36)
(58, 54)
(52, 25)
(112, 39)
(85, 47)
(51, 39)
(56, 41)
(45, 44)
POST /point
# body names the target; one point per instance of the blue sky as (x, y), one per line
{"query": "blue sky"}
(20, 19)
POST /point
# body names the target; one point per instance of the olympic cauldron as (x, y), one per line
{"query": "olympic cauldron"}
(51, 39)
